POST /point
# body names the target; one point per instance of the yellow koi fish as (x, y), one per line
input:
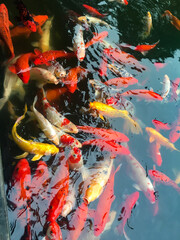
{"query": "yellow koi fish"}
(173, 20)
(156, 136)
(147, 25)
(39, 149)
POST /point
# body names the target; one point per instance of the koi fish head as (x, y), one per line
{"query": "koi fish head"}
(151, 195)
(31, 25)
(21, 169)
(24, 76)
(75, 155)
(93, 191)
(82, 19)
(53, 232)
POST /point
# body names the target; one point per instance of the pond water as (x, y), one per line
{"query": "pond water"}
(126, 26)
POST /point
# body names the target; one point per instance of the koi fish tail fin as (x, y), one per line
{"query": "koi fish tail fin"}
(132, 125)
(3, 101)
(125, 235)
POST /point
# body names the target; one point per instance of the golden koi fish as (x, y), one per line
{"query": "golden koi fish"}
(173, 20)
(39, 149)
(147, 25)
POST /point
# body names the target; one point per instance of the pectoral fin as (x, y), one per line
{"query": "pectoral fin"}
(101, 116)
(151, 139)
(36, 157)
(22, 155)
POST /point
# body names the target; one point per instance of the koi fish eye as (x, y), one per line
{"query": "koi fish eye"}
(156, 194)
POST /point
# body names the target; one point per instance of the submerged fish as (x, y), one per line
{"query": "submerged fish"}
(143, 93)
(53, 232)
(155, 153)
(98, 37)
(78, 43)
(121, 82)
(145, 48)
(93, 11)
(173, 20)
(92, 20)
(160, 125)
(147, 20)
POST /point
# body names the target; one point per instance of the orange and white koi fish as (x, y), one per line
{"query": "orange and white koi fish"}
(107, 134)
(97, 38)
(166, 86)
(160, 125)
(29, 146)
(154, 135)
(160, 177)
(57, 119)
(138, 174)
(78, 43)
(173, 20)
(155, 153)
(53, 232)
(92, 20)
(143, 94)
(5, 35)
(93, 11)
(75, 158)
(147, 21)
(121, 82)
(126, 209)
(45, 125)
(145, 48)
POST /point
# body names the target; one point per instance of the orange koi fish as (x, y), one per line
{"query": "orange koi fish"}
(145, 48)
(53, 232)
(155, 153)
(107, 134)
(93, 11)
(76, 224)
(108, 145)
(160, 177)
(26, 17)
(51, 55)
(126, 209)
(5, 35)
(121, 82)
(54, 94)
(143, 94)
(22, 68)
(173, 20)
(160, 125)
(97, 38)
(78, 43)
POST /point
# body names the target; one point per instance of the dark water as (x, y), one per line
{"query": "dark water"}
(127, 26)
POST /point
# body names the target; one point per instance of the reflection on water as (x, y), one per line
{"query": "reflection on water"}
(155, 214)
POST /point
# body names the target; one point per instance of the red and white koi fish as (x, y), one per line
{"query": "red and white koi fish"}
(138, 174)
(108, 145)
(166, 86)
(155, 153)
(121, 82)
(107, 134)
(75, 159)
(97, 38)
(145, 48)
(53, 232)
(159, 65)
(93, 11)
(143, 94)
(124, 2)
(160, 125)
(160, 177)
(77, 222)
(126, 209)
(174, 134)
(5, 35)
(78, 43)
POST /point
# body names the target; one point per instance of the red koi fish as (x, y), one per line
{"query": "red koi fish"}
(51, 55)
(77, 222)
(160, 125)
(109, 146)
(26, 17)
(107, 134)
(21, 67)
(97, 38)
(160, 177)
(126, 209)
(53, 232)
(145, 48)
(93, 11)
(71, 79)
(75, 159)
(78, 42)
(5, 35)
(103, 67)
(143, 94)
(155, 153)
(159, 65)
(121, 82)
(174, 134)
(106, 199)
(21, 181)
(54, 94)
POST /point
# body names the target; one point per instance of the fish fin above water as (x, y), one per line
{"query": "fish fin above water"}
(36, 157)
(24, 155)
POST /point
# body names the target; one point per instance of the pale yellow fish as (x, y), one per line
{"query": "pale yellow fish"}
(166, 86)
(158, 137)
(92, 20)
(147, 20)
(78, 42)
(29, 146)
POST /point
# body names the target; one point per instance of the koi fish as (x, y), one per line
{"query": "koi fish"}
(173, 20)
(26, 17)
(166, 86)
(174, 134)
(108, 145)
(93, 11)
(78, 43)
(107, 134)
(175, 86)
(104, 205)
(159, 138)
(155, 153)
(76, 223)
(45, 125)
(138, 174)
(75, 159)
(160, 177)
(144, 94)
(5, 35)
(103, 67)
(51, 55)
(159, 65)
(39, 149)
(121, 82)
(97, 38)
(53, 232)
(70, 201)
(145, 48)
(124, 2)
(92, 20)
(57, 119)
(57, 70)
(126, 209)
(54, 94)
(21, 67)
(160, 125)
(147, 21)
